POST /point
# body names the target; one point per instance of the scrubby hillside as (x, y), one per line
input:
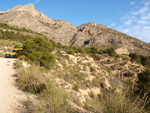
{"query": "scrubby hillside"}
(87, 69)
(77, 79)
(82, 81)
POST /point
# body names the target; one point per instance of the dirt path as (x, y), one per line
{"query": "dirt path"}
(11, 98)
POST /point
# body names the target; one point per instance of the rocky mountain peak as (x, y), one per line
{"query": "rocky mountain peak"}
(28, 7)
(86, 35)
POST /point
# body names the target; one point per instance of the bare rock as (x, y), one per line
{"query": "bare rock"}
(86, 35)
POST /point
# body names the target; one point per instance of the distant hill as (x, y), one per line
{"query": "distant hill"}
(86, 35)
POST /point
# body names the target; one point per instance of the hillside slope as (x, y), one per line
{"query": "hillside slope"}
(86, 35)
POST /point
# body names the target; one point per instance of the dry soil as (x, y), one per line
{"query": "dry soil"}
(11, 98)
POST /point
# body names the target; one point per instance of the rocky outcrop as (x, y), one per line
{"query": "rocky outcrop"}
(92, 34)
(28, 17)
(86, 35)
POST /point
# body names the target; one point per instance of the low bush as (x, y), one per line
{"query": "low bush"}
(110, 51)
(22, 57)
(17, 46)
(144, 60)
(79, 50)
(144, 80)
(144, 85)
(92, 50)
(31, 79)
(135, 57)
(72, 52)
(38, 50)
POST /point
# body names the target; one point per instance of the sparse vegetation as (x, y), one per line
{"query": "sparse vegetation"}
(17, 64)
(5, 26)
(117, 102)
(10, 35)
(8, 43)
(95, 78)
(52, 98)
(1, 55)
(31, 80)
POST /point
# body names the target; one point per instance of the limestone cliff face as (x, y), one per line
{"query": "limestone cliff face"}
(103, 37)
(86, 35)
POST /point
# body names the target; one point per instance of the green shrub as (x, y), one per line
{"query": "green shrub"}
(17, 46)
(144, 60)
(135, 57)
(5, 26)
(144, 82)
(53, 42)
(110, 51)
(22, 57)
(47, 60)
(10, 35)
(93, 50)
(79, 50)
(38, 50)
(72, 52)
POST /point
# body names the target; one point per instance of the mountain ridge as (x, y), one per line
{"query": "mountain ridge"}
(85, 35)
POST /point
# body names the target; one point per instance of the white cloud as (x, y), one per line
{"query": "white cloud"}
(128, 22)
(143, 22)
(147, 3)
(136, 23)
(141, 11)
(146, 17)
(36, 1)
(132, 3)
(126, 31)
(112, 25)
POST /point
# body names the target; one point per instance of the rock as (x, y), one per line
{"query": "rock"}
(122, 50)
(86, 35)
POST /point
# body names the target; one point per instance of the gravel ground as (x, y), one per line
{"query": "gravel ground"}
(11, 98)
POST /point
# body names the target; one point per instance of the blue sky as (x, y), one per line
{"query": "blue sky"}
(128, 16)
